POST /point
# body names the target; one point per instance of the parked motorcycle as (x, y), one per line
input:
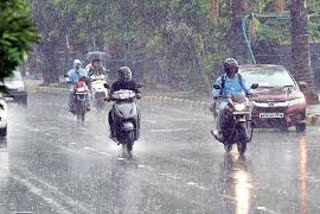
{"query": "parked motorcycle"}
(237, 127)
(125, 115)
(99, 92)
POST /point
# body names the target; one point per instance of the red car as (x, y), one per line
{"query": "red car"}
(278, 101)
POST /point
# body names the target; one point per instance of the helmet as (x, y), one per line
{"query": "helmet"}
(125, 74)
(95, 58)
(230, 63)
(77, 63)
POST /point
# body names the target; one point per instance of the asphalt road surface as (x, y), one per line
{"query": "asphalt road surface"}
(50, 163)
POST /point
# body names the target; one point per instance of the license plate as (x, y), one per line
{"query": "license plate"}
(271, 115)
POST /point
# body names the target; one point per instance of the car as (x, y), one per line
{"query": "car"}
(15, 86)
(3, 117)
(278, 102)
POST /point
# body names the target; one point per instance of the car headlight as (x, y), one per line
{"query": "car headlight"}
(298, 101)
(240, 107)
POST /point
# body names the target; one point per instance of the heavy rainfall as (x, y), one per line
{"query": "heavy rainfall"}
(159, 106)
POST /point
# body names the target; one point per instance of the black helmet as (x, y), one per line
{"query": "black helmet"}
(230, 63)
(125, 74)
(95, 58)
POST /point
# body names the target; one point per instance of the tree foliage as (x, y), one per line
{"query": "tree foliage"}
(17, 34)
(174, 42)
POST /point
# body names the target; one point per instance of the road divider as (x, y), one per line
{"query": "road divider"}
(204, 107)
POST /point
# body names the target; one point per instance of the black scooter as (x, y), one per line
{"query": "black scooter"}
(125, 116)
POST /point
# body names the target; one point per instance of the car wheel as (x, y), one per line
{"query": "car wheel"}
(3, 132)
(300, 128)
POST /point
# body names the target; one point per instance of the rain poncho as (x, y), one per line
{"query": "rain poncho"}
(76, 73)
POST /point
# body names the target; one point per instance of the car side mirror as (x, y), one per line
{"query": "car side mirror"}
(139, 86)
(216, 86)
(303, 85)
(254, 86)
(106, 85)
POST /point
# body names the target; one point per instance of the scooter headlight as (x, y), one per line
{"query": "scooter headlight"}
(240, 107)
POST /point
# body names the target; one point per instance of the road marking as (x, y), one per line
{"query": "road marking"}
(41, 193)
(266, 210)
(88, 148)
(198, 186)
(168, 130)
(54, 190)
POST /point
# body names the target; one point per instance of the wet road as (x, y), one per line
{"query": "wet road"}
(51, 164)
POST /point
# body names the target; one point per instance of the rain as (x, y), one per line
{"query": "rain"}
(117, 106)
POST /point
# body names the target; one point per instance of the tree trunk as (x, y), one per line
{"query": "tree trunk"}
(300, 46)
(214, 11)
(278, 6)
(50, 64)
(239, 50)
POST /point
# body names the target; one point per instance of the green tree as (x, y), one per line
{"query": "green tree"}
(17, 34)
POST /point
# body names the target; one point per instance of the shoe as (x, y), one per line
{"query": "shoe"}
(217, 134)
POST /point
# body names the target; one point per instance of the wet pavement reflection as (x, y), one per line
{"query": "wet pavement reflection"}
(49, 163)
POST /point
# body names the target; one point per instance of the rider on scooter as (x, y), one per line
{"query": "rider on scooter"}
(231, 84)
(95, 67)
(124, 82)
(75, 75)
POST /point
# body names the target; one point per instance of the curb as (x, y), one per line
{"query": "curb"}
(312, 119)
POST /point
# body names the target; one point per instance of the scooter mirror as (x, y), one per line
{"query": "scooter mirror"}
(254, 85)
(106, 85)
(216, 86)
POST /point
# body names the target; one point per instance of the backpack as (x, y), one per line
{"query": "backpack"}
(223, 79)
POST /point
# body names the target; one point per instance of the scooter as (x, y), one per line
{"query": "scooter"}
(237, 127)
(99, 92)
(125, 116)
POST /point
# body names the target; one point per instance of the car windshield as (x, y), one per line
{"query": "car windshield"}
(15, 77)
(267, 77)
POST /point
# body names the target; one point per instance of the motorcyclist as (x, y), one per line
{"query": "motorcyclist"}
(75, 74)
(95, 67)
(231, 84)
(124, 82)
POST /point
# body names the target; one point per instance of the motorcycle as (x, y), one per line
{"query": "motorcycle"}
(81, 91)
(99, 92)
(237, 124)
(125, 117)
